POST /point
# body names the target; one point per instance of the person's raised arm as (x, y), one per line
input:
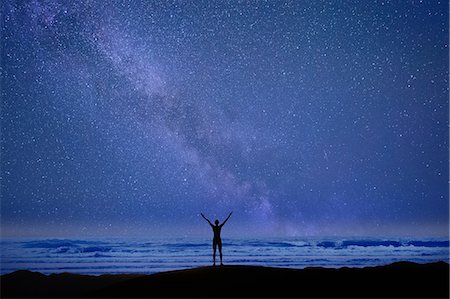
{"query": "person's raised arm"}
(226, 219)
(206, 219)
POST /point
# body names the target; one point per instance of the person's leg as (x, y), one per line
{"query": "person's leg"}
(214, 251)
(220, 250)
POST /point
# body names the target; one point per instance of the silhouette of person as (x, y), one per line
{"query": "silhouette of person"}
(217, 241)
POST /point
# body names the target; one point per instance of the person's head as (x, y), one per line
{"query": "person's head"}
(216, 222)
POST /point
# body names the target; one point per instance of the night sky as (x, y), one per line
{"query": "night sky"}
(129, 118)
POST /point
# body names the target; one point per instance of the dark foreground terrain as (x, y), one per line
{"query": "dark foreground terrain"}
(403, 279)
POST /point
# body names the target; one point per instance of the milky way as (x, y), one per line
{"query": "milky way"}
(304, 118)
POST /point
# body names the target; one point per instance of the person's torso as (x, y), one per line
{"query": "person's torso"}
(216, 230)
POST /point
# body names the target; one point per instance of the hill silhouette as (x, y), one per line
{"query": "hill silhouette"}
(402, 279)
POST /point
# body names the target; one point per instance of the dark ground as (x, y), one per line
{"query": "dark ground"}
(403, 279)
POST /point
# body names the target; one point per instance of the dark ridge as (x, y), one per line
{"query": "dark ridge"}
(27, 284)
(397, 280)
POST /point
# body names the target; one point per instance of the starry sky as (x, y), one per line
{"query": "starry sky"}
(305, 118)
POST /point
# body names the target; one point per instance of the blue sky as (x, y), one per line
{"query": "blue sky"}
(302, 117)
